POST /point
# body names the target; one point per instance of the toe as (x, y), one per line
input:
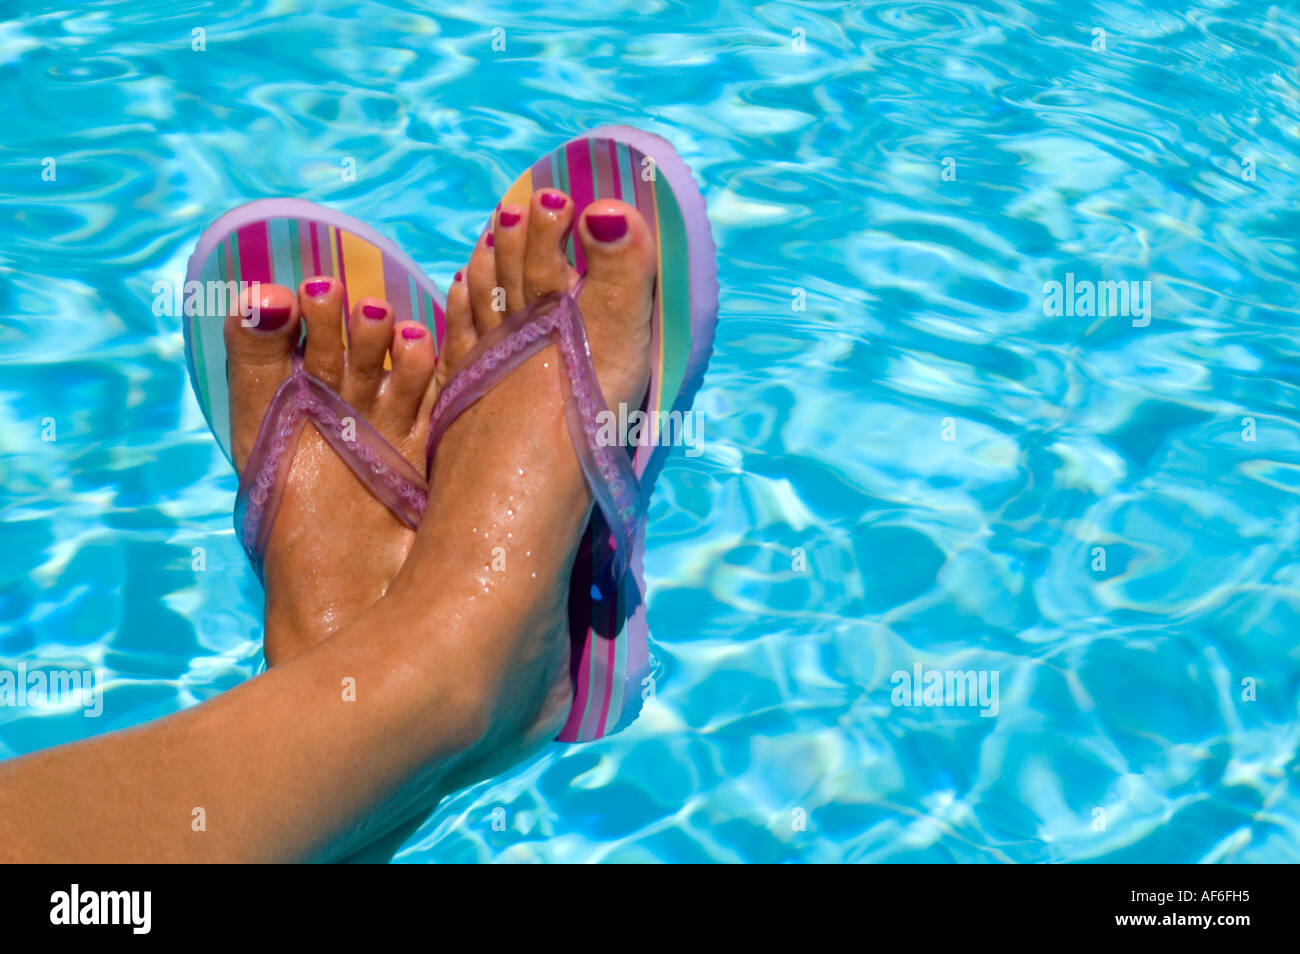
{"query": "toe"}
(259, 327)
(461, 333)
(487, 300)
(617, 297)
(618, 249)
(546, 263)
(413, 363)
(320, 301)
(260, 336)
(370, 329)
(511, 233)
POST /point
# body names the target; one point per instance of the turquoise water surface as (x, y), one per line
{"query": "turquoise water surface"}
(910, 457)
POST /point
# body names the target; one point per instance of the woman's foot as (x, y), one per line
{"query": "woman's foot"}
(508, 502)
(333, 548)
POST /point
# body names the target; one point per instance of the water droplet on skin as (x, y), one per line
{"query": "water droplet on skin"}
(533, 575)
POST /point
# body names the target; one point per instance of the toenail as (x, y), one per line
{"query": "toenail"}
(316, 289)
(607, 228)
(458, 276)
(487, 238)
(269, 318)
(508, 219)
(412, 332)
(554, 200)
(377, 312)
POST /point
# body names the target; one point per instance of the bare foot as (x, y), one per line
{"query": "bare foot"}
(333, 548)
(508, 502)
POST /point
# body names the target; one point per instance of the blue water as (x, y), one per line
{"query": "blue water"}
(917, 467)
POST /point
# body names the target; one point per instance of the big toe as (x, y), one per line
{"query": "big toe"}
(617, 295)
(260, 335)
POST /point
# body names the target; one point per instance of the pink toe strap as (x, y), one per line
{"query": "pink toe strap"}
(607, 467)
(379, 465)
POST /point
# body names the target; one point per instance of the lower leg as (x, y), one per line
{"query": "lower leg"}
(310, 760)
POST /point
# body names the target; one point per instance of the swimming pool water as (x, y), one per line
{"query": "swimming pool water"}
(907, 459)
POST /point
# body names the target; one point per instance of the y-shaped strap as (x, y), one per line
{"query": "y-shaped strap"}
(382, 468)
(377, 463)
(606, 466)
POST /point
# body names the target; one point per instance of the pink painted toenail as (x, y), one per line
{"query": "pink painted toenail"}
(487, 238)
(377, 312)
(412, 332)
(269, 318)
(509, 218)
(316, 289)
(607, 228)
(458, 276)
(554, 200)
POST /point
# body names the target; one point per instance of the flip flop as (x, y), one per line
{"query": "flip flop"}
(274, 240)
(284, 241)
(610, 638)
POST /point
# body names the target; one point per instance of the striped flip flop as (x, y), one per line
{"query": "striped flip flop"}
(610, 638)
(284, 241)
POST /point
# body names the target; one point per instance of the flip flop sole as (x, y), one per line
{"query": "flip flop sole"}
(610, 663)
